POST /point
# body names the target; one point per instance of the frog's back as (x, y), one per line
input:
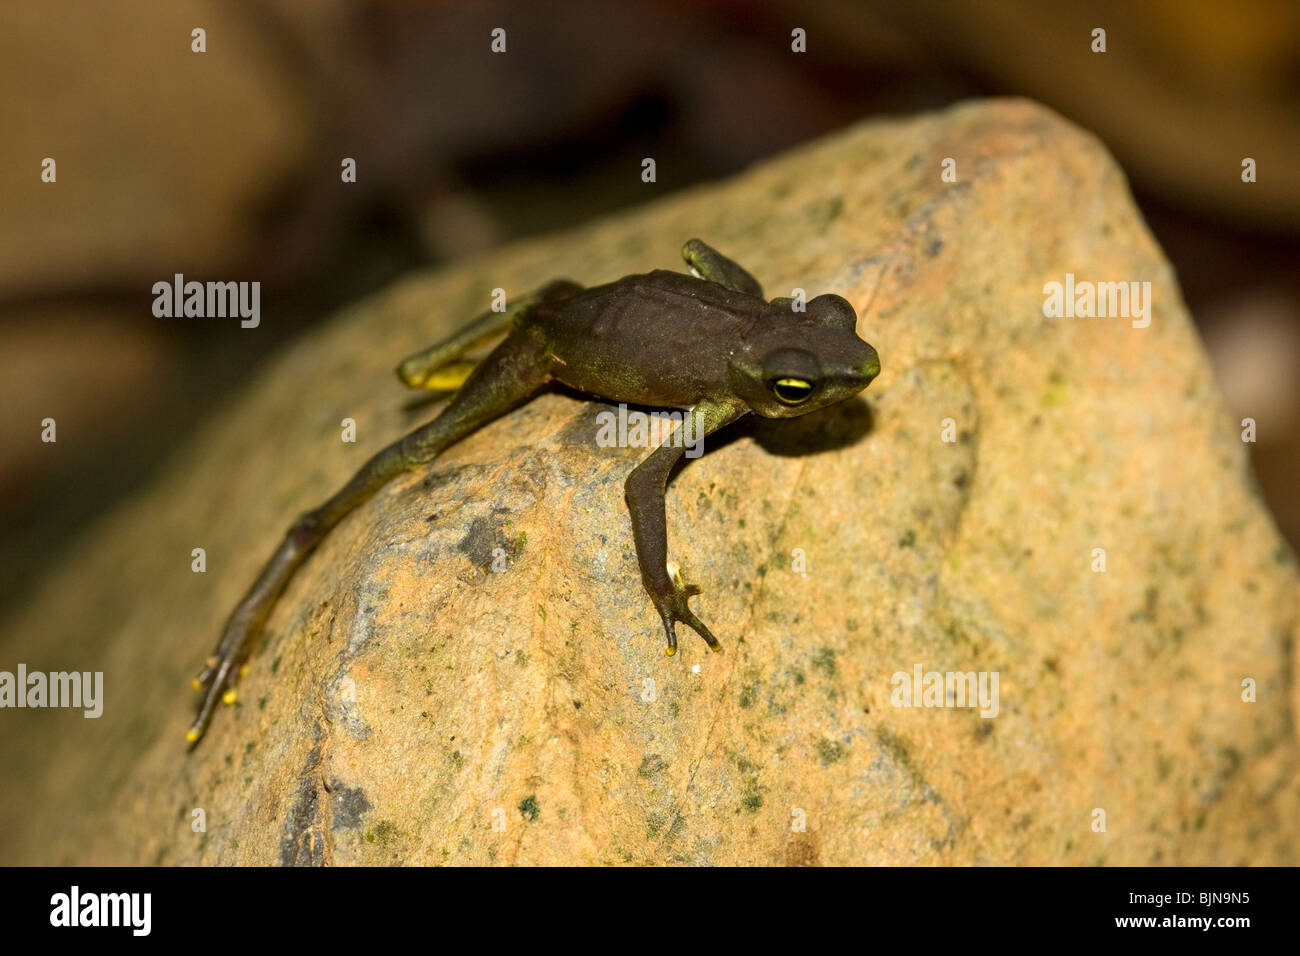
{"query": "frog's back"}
(661, 337)
(626, 308)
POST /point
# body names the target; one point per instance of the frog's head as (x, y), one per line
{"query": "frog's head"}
(798, 362)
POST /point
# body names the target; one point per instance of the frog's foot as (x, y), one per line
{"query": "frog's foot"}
(216, 682)
(673, 606)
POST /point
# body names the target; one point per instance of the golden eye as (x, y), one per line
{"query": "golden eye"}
(791, 391)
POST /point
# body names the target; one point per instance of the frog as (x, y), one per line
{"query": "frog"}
(705, 343)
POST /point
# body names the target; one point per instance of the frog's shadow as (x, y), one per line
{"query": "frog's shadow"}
(827, 429)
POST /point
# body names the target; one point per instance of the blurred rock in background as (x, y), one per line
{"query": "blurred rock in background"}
(225, 165)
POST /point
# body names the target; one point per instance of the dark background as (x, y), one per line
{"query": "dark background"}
(225, 165)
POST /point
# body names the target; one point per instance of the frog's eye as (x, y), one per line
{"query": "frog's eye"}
(791, 391)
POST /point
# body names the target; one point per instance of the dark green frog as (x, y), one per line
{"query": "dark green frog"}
(706, 343)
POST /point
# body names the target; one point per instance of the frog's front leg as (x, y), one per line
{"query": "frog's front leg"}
(644, 491)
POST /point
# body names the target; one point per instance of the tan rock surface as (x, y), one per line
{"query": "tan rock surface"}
(525, 692)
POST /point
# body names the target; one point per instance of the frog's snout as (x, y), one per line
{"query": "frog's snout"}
(870, 366)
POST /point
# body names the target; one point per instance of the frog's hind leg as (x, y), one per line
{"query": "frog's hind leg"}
(440, 367)
(510, 374)
(709, 263)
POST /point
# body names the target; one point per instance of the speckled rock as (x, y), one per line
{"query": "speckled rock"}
(411, 704)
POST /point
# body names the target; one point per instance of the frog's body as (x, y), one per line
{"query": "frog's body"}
(707, 343)
(669, 339)
(612, 341)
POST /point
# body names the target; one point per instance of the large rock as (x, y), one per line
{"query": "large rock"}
(407, 697)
